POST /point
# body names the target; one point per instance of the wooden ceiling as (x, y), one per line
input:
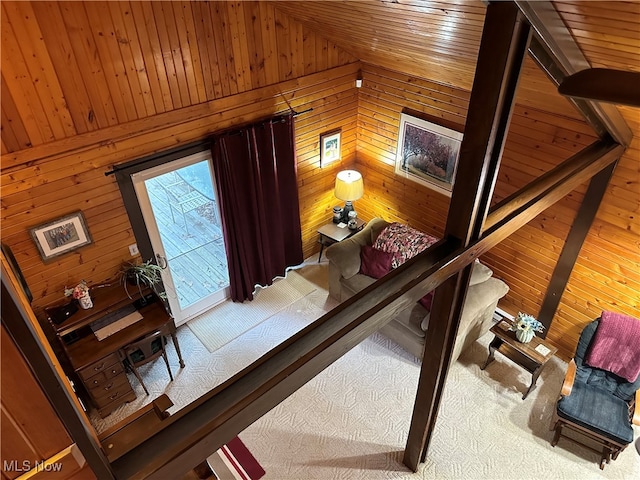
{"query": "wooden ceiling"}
(439, 41)
(434, 40)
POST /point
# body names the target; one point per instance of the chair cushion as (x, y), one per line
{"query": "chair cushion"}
(137, 356)
(597, 410)
(426, 301)
(480, 273)
(374, 263)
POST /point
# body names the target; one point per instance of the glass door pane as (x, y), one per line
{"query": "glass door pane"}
(179, 205)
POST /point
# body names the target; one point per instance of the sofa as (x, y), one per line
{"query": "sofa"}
(409, 326)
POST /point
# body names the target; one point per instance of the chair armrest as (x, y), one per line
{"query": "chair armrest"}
(569, 378)
(636, 412)
(345, 255)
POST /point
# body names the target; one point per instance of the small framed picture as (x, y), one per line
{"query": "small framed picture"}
(330, 147)
(428, 153)
(61, 236)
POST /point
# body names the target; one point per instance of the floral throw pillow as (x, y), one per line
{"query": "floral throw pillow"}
(402, 242)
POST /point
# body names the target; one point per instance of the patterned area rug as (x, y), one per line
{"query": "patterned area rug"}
(229, 320)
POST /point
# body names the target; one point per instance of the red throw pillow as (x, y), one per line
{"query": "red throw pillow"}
(374, 263)
(426, 301)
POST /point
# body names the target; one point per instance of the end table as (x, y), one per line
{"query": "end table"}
(333, 233)
(531, 356)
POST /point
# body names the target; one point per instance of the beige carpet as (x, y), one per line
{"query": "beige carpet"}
(229, 320)
(351, 421)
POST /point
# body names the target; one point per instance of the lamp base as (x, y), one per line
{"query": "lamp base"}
(348, 207)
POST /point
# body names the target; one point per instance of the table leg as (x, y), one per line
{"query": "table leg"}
(534, 379)
(177, 345)
(320, 256)
(493, 346)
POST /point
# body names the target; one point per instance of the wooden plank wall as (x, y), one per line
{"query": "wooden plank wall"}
(31, 430)
(89, 85)
(545, 130)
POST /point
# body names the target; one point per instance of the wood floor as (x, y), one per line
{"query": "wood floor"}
(192, 237)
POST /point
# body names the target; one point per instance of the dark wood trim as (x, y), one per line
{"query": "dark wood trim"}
(123, 174)
(575, 164)
(503, 48)
(575, 239)
(557, 53)
(17, 324)
(603, 84)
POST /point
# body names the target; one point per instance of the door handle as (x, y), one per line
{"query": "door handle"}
(162, 261)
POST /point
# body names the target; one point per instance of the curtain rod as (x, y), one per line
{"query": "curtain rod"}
(295, 114)
(117, 168)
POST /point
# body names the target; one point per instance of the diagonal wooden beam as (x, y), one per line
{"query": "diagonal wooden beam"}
(580, 162)
(573, 244)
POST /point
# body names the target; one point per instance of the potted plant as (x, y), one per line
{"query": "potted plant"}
(141, 275)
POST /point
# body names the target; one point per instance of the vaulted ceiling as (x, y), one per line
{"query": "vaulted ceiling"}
(439, 40)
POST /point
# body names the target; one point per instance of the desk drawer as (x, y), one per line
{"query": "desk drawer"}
(110, 384)
(99, 366)
(111, 392)
(105, 376)
(106, 409)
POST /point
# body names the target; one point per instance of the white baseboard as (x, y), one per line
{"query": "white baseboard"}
(499, 314)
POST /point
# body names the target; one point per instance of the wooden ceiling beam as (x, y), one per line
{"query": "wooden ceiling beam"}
(558, 54)
(503, 49)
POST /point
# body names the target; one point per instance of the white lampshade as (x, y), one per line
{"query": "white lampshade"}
(349, 185)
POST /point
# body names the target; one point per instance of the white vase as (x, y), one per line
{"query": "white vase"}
(85, 302)
(525, 336)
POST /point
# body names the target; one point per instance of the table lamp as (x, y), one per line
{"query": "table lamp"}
(349, 187)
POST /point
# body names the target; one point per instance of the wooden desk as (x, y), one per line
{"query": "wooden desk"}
(97, 363)
(531, 356)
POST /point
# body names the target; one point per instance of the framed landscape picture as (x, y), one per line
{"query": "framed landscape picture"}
(428, 153)
(329, 147)
(61, 236)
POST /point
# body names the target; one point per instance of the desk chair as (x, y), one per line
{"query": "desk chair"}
(146, 350)
(595, 403)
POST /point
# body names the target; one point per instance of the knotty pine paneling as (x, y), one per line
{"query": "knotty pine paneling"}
(271, 64)
(70, 68)
(544, 131)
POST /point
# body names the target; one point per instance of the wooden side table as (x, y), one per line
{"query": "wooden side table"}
(531, 356)
(333, 233)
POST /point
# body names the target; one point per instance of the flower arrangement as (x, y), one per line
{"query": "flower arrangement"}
(527, 323)
(79, 291)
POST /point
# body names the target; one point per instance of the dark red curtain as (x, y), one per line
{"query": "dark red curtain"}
(255, 170)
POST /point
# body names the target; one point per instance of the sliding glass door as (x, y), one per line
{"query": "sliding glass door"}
(180, 209)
